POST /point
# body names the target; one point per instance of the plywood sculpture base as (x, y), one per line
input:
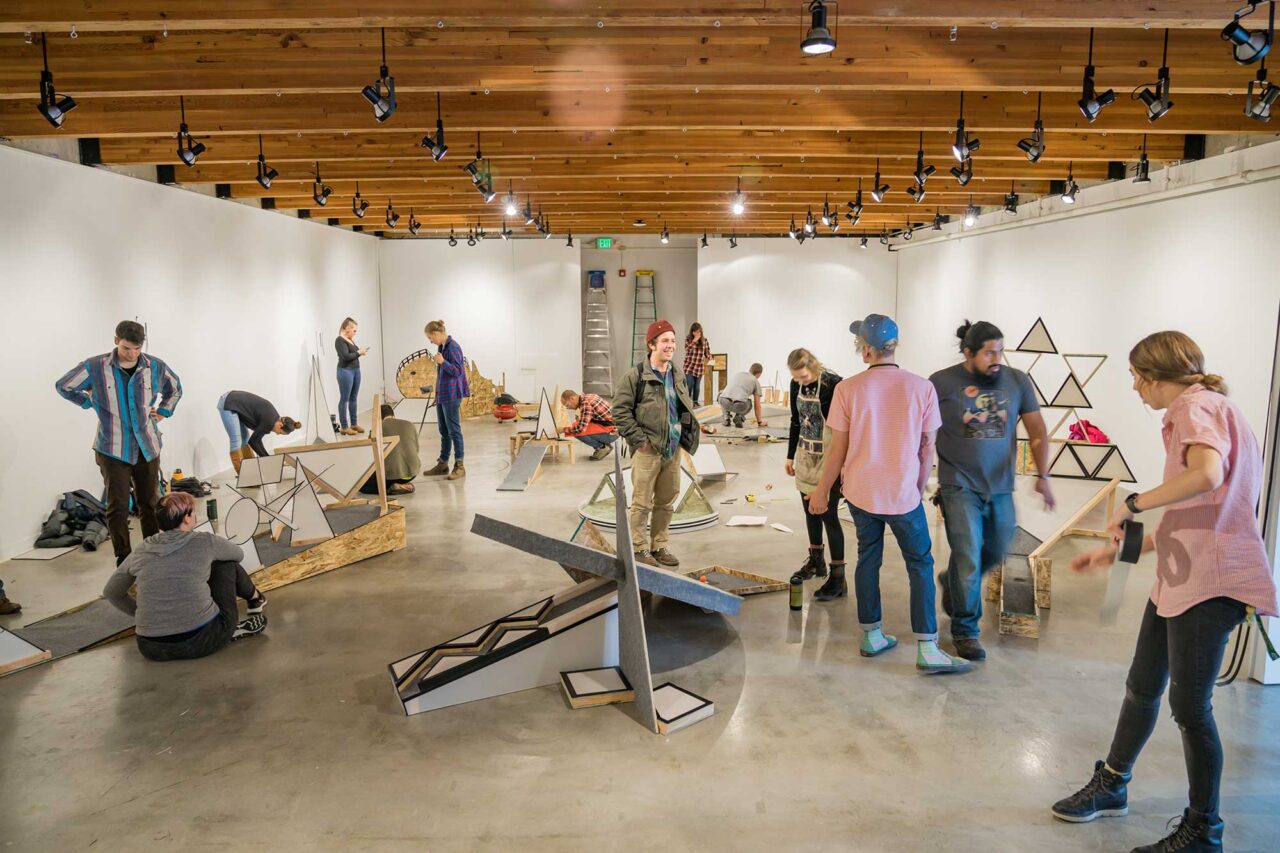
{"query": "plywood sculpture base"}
(1019, 612)
(16, 653)
(591, 688)
(378, 536)
(553, 445)
(736, 581)
(418, 370)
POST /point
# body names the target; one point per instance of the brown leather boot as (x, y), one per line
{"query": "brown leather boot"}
(459, 471)
(441, 468)
(246, 452)
(8, 607)
(235, 460)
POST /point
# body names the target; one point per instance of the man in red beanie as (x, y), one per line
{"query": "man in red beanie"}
(654, 414)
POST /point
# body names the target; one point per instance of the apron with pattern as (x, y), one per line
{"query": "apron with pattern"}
(814, 436)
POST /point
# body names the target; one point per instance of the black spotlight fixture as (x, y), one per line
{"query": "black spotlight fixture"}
(569, 242)
(791, 232)
(511, 207)
(827, 216)
(529, 218)
(921, 174)
(481, 175)
(1071, 188)
(884, 237)
(971, 214)
(392, 217)
(436, 146)
(1091, 103)
(937, 219)
(855, 206)
(319, 190)
(963, 147)
(1249, 46)
(504, 232)
(1157, 101)
(704, 244)
(1033, 145)
(878, 189)
(414, 224)
(818, 37)
(733, 240)
(1011, 201)
(1142, 172)
(665, 238)
(907, 232)
(862, 244)
(471, 236)
(382, 94)
(810, 224)
(188, 149)
(266, 174)
(358, 203)
(1259, 109)
(453, 241)
(963, 173)
(53, 107)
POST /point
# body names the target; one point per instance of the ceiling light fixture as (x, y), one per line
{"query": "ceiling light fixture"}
(818, 38)
(877, 189)
(436, 146)
(827, 218)
(528, 211)
(810, 225)
(1091, 103)
(971, 214)
(855, 206)
(188, 149)
(963, 147)
(512, 206)
(921, 174)
(963, 173)
(569, 242)
(1011, 200)
(1071, 188)
(1268, 93)
(938, 219)
(738, 204)
(453, 241)
(1033, 145)
(52, 107)
(1157, 101)
(384, 104)
(791, 232)
(266, 174)
(733, 240)
(392, 217)
(1249, 46)
(704, 243)
(319, 190)
(414, 224)
(665, 238)
(908, 233)
(359, 205)
(1142, 172)
(862, 244)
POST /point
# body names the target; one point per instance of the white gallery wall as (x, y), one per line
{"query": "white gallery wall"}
(1101, 282)
(768, 296)
(513, 305)
(675, 266)
(232, 296)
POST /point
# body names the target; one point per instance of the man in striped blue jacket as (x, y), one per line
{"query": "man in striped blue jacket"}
(131, 392)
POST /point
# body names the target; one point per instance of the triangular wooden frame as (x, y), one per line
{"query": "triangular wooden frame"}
(1037, 339)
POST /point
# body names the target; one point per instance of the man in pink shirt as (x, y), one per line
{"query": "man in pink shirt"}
(883, 422)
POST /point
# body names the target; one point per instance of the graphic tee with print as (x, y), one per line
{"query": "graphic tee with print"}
(979, 435)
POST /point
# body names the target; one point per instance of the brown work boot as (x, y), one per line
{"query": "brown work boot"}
(8, 608)
(357, 429)
(664, 557)
(235, 460)
(246, 452)
(441, 468)
(459, 471)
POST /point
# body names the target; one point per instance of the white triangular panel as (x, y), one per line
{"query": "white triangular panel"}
(707, 462)
(1037, 340)
(1071, 395)
(1115, 468)
(260, 471)
(1065, 464)
(345, 468)
(319, 425)
(309, 520)
(1091, 455)
(547, 426)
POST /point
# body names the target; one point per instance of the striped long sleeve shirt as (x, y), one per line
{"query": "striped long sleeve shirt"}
(123, 402)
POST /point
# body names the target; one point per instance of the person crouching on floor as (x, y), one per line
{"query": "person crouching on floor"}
(594, 427)
(187, 585)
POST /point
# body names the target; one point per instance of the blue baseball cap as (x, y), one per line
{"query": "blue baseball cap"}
(875, 330)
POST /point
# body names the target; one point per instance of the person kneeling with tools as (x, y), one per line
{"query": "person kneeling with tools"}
(247, 418)
(594, 427)
(187, 585)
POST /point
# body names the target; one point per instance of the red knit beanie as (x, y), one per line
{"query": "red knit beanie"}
(656, 328)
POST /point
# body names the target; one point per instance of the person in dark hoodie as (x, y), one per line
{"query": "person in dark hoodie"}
(187, 585)
(247, 418)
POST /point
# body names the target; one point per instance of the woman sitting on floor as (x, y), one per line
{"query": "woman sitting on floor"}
(187, 584)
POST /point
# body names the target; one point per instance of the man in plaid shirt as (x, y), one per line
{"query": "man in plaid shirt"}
(451, 389)
(594, 426)
(697, 352)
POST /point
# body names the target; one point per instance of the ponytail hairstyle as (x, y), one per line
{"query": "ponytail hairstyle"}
(174, 507)
(1173, 357)
(288, 425)
(801, 358)
(973, 336)
(345, 323)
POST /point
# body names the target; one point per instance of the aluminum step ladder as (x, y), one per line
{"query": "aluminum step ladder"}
(597, 368)
(644, 312)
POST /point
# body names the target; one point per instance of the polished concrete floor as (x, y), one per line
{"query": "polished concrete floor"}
(295, 740)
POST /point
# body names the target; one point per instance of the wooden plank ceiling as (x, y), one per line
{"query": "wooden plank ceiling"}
(598, 114)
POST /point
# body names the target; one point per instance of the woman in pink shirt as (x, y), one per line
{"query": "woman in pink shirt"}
(1211, 566)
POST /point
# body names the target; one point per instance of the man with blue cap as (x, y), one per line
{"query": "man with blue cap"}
(883, 423)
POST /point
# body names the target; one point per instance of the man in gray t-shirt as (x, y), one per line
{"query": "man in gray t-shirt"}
(980, 401)
(740, 395)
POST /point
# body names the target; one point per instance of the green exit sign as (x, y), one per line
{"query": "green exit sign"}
(604, 242)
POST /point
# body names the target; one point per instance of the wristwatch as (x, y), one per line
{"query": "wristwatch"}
(1132, 503)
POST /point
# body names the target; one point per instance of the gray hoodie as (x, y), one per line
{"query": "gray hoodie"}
(171, 570)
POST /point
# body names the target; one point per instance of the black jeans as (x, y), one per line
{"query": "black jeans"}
(1186, 652)
(143, 478)
(829, 519)
(227, 582)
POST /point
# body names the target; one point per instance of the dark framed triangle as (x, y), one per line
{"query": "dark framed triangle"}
(1040, 397)
(1092, 456)
(1114, 467)
(1038, 339)
(1071, 395)
(1067, 465)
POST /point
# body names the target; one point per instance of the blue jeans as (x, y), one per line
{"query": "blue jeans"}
(231, 423)
(979, 530)
(694, 384)
(449, 419)
(912, 532)
(598, 440)
(349, 391)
